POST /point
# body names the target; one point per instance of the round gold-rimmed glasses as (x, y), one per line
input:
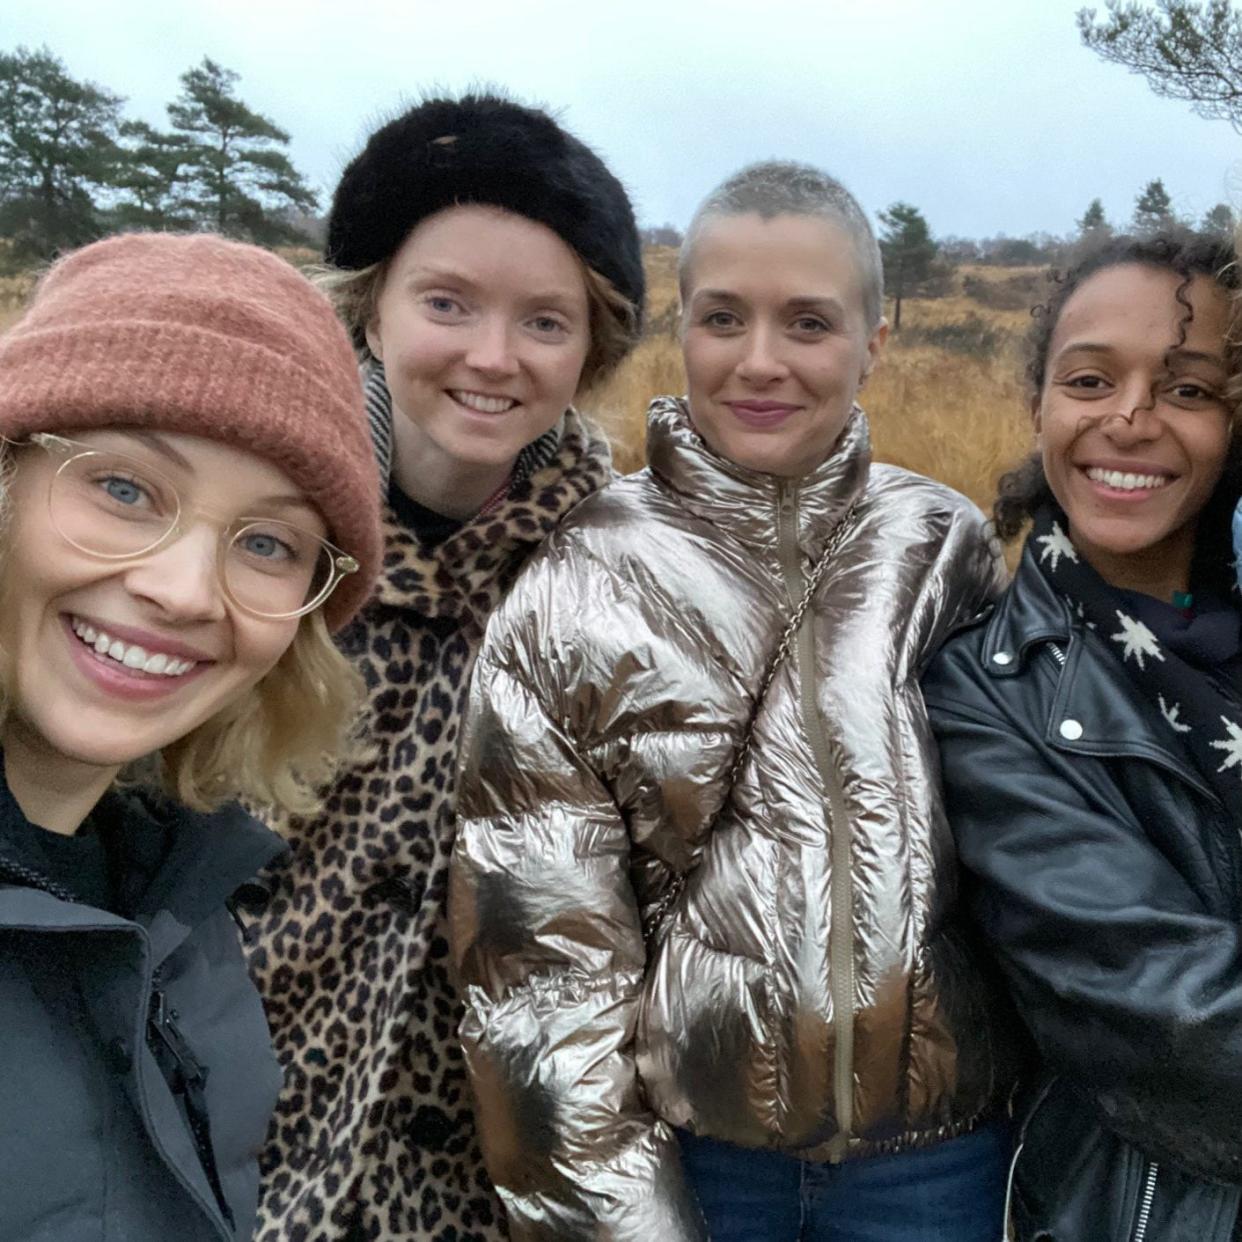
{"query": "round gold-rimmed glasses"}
(115, 507)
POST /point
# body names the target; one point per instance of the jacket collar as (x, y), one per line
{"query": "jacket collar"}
(179, 867)
(744, 502)
(1029, 613)
(466, 575)
(1097, 709)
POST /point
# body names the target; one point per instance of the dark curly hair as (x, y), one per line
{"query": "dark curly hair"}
(1025, 488)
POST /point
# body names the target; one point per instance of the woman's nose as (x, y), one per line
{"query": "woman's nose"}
(761, 362)
(492, 350)
(1133, 417)
(182, 578)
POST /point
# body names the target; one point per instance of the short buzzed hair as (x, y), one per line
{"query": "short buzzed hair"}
(785, 187)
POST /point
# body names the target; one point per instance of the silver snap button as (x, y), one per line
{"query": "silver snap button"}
(1071, 730)
(1002, 658)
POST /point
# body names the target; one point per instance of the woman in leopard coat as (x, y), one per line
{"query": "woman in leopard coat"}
(489, 268)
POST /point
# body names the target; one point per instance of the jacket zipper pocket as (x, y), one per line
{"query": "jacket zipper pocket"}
(1145, 1203)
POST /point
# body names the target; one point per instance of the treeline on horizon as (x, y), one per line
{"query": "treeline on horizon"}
(74, 168)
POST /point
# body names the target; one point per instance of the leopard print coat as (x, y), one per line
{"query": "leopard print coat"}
(374, 1135)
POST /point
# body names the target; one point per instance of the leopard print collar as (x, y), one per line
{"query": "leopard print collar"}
(465, 577)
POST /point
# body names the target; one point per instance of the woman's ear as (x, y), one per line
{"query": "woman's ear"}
(879, 335)
(374, 341)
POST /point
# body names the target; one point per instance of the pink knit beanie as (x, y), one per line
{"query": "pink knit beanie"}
(212, 338)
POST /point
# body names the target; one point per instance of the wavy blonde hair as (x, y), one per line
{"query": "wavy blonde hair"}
(274, 748)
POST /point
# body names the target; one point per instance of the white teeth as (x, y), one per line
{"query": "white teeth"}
(484, 404)
(1125, 481)
(130, 655)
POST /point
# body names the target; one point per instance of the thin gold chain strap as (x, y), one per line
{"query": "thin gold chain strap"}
(653, 921)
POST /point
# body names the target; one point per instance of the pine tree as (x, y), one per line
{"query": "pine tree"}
(1184, 50)
(151, 178)
(1153, 209)
(908, 249)
(236, 179)
(1094, 222)
(1220, 220)
(57, 148)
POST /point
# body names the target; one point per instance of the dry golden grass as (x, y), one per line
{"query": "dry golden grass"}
(958, 417)
(14, 290)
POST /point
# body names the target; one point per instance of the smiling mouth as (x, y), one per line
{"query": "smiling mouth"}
(133, 657)
(1127, 481)
(481, 403)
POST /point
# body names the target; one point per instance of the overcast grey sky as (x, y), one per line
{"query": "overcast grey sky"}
(989, 115)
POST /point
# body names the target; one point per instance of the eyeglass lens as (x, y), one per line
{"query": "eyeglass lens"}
(109, 505)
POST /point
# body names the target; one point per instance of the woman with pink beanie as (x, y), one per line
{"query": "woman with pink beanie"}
(187, 511)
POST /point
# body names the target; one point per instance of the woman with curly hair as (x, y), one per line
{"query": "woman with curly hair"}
(1091, 740)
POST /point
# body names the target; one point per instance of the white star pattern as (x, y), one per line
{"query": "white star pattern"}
(1057, 545)
(1232, 746)
(1082, 616)
(1136, 640)
(1171, 714)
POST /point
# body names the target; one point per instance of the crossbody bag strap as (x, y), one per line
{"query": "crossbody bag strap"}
(655, 919)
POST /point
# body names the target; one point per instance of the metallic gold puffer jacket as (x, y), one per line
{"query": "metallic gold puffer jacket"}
(813, 988)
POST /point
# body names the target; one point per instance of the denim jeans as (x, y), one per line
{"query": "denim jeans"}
(952, 1192)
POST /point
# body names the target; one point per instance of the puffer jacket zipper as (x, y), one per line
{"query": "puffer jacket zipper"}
(1145, 1203)
(841, 931)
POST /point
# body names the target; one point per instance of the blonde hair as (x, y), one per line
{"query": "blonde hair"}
(276, 747)
(281, 743)
(615, 323)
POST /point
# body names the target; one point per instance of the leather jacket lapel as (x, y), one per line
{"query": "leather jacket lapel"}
(1095, 711)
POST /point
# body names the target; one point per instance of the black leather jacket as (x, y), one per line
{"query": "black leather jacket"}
(1108, 878)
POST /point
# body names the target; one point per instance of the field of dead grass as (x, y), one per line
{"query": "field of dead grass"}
(946, 399)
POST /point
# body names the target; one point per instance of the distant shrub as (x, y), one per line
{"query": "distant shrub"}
(1010, 293)
(941, 279)
(663, 323)
(972, 336)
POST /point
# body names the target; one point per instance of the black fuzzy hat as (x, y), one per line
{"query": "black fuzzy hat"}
(483, 149)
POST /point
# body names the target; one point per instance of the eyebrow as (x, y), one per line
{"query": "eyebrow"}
(421, 273)
(161, 446)
(802, 302)
(814, 303)
(1183, 355)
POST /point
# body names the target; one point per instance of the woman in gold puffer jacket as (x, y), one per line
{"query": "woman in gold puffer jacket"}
(655, 948)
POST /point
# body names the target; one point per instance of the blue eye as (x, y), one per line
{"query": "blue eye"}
(267, 547)
(123, 491)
